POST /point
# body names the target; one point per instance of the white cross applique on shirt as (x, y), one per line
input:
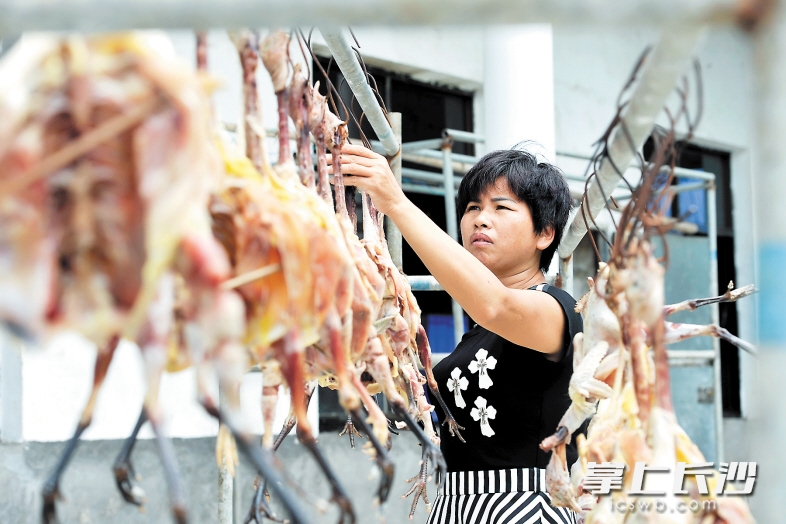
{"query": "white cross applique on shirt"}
(481, 367)
(455, 384)
(483, 413)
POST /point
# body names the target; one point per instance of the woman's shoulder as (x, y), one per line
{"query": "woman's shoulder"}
(556, 292)
(573, 321)
(566, 301)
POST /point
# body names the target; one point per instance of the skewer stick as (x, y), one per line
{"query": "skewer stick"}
(251, 276)
(731, 295)
(82, 145)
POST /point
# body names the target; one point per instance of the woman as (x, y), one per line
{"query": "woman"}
(506, 382)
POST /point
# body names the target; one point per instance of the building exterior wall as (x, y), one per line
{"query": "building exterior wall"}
(590, 68)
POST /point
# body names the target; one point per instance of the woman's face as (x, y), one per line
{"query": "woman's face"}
(498, 231)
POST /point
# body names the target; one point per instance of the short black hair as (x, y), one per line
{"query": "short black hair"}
(540, 185)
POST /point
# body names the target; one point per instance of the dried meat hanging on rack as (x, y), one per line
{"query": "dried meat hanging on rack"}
(621, 369)
(107, 164)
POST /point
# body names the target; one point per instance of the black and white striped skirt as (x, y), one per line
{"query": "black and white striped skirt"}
(505, 496)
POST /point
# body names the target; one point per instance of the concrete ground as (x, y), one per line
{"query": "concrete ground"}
(90, 495)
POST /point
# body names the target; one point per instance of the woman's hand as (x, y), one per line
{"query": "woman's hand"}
(370, 172)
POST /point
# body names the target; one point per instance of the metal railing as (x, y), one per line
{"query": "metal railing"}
(447, 189)
(707, 182)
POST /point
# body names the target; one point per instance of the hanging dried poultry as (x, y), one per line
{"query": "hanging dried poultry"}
(397, 318)
(107, 160)
(400, 348)
(365, 346)
(621, 364)
(296, 315)
(281, 322)
(369, 285)
(285, 265)
(298, 99)
(597, 349)
(406, 349)
(393, 358)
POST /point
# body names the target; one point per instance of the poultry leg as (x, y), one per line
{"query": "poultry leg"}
(123, 469)
(51, 489)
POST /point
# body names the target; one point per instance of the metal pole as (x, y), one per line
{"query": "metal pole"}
(392, 232)
(712, 233)
(565, 278)
(17, 16)
(465, 136)
(226, 484)
(421, 144)
(461, 167)
(663, 68)
(423, 190)
(769, 184)
(424, 283)
(712, 238)
(427, 176)
(356, 80)
(451, 222)
(449, 188)
(225, 494)
(436, 155)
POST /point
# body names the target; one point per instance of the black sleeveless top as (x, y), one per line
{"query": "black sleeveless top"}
(511, 397)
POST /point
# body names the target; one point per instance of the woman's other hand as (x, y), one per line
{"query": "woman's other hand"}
(370, 172)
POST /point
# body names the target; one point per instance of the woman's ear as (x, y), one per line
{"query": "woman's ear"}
(545, 238)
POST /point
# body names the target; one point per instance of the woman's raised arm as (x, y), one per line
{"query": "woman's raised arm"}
(518, 315)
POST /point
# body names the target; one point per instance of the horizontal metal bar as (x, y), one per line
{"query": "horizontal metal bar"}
(678, 171)
(464, 136)
(623, 193)
(458, 167)
(691, 173)
(273, 133)
(438, 154)
(581, 178)
(424, 283)
(674, 189)
(682, 188)
(427, 176)
(436, 357)
(431, 159)
(17, 16)
(422, 189)
(432, 143)
(425, 190)
(690, 357)
(422, 144)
